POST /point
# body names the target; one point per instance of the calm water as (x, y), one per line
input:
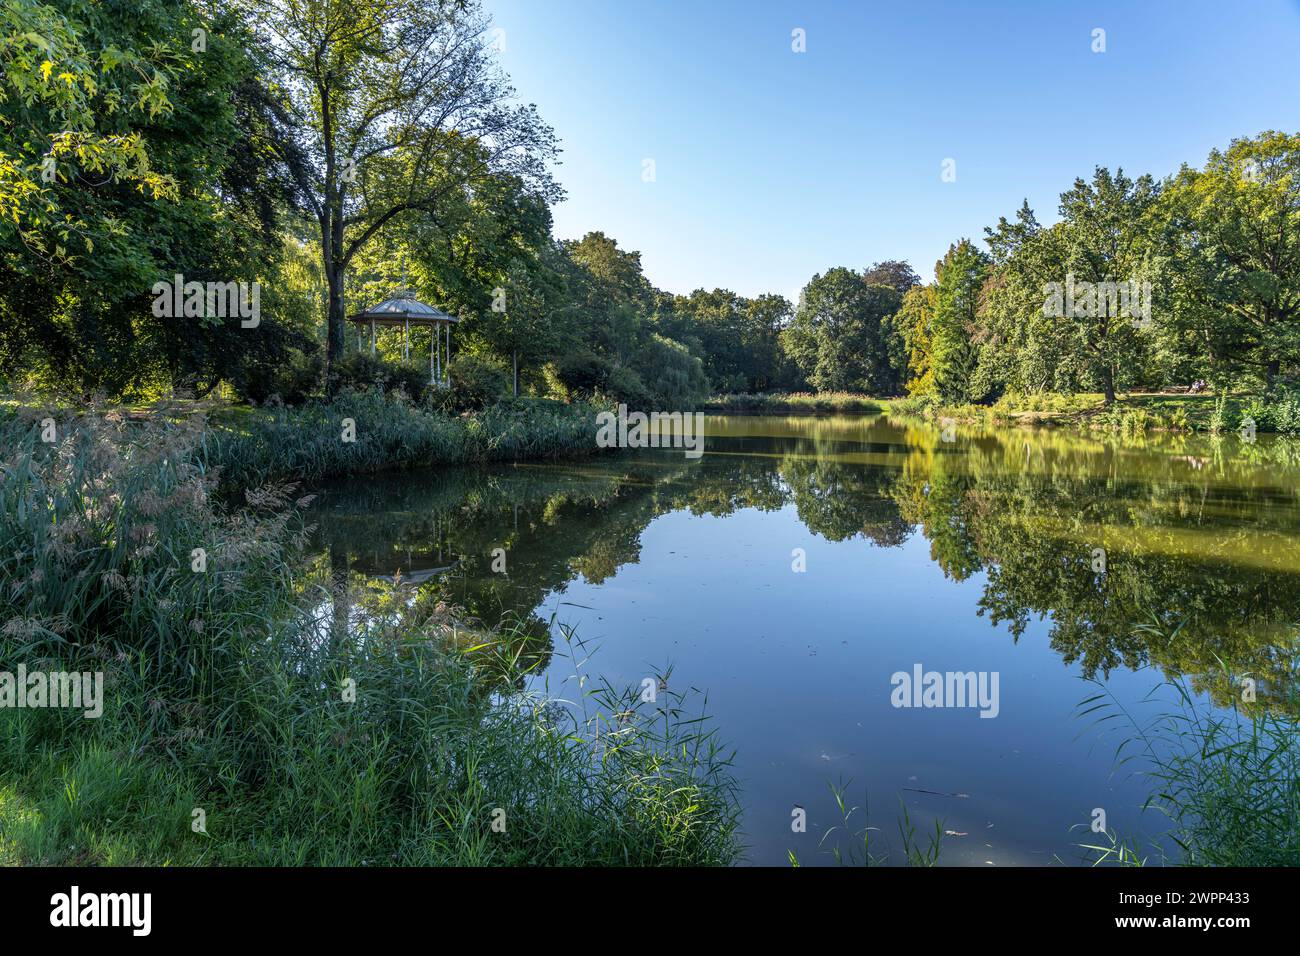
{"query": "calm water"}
(968, 555)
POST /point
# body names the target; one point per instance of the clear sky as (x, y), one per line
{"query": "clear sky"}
(772, 165)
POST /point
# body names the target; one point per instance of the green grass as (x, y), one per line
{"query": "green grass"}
(224, 688)
(795, 402)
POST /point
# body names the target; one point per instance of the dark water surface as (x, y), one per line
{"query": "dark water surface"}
(971, 555)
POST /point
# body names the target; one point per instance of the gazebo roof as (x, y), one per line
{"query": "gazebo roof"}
(402, 308)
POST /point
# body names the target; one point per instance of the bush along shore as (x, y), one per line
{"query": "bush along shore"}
(257, 710)
(782, 402)
(1276, 410)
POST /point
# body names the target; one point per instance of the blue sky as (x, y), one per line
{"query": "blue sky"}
(772, 165)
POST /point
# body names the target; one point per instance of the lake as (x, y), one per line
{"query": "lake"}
(802, 563)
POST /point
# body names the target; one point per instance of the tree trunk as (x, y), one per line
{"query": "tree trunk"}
(1108, 386)
(515, 359)
(1274, 366)
(335, 264)
(334, 332)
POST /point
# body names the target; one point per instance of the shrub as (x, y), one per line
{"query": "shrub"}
(920, 406)
(1277, 410)
(477, 381)
(583, 372)
(359, 370)
(794, 402)
(292, 382)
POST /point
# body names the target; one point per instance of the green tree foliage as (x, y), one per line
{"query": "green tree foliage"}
(336, 150)
(954, 328)
(841, 335)
(620, 347)
(1024, 349)
(189, 198)
(1231, 248)
(395, 107)
(738, 338)
(915, 323)
(73, 97)
(1103, 238)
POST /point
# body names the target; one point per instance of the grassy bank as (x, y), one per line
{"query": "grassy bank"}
(1130, 413)
(362, 432)
(359, 432)
(808, 402)
(257, 710)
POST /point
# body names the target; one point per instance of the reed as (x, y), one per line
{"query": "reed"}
(228, 689)
(368, 431)
(1226, 779)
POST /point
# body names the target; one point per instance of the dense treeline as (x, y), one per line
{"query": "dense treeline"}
(334, 152)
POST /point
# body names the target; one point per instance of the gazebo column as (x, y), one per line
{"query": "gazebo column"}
(406, 340)
(372, 338)
(433, 338)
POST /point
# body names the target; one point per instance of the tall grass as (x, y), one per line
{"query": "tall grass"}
(849, 846)
(238, 695)
(367, 431)
(1228, 780)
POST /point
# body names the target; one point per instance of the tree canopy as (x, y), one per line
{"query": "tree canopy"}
(333, 151)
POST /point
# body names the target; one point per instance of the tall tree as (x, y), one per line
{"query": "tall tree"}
(895, 273)
(1104, 237)
(840, 335)
(395, 106)
(1024, 346)
(915, 320)
(953, 350)
(1232, 255)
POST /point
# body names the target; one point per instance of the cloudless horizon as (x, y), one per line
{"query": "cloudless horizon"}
(771, 165)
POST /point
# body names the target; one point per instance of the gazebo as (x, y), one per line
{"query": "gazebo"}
(405, 310)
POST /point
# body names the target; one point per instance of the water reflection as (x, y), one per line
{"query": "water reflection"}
(1201, 541)
(1194, 535)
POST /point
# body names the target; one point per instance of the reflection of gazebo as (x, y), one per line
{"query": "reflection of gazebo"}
(404, 310)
